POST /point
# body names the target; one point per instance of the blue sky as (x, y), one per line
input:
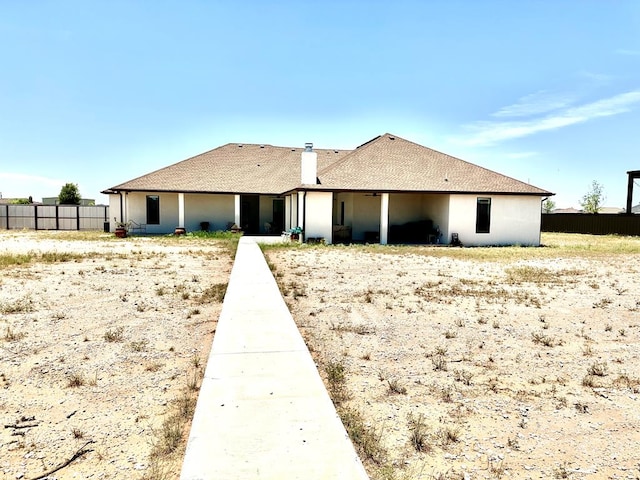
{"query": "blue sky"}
(97, 93)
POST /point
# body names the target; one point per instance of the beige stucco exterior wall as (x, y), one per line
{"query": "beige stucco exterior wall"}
(436, 207)
(405, 207)
(515, 220)
(218, 210)
(366, 216)
(318, 216)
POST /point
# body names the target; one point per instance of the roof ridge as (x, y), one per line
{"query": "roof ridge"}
(351, 152)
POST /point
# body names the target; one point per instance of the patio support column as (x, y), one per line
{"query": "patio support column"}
(181, 210)
(236, 210)
(384, 218)
(301, 196)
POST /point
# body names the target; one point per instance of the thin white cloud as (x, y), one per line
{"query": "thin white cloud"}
(21, 185)
(625, 51)
(517, 155)
(491, 133)
(535, 104)
(24, 177)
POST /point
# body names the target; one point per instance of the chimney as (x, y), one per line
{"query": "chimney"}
(309, 165)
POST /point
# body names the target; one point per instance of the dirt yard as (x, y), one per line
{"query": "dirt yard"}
(444, 362)
(102, 346)
(479, 363)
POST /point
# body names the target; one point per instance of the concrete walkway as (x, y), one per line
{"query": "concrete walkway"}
(263, 411)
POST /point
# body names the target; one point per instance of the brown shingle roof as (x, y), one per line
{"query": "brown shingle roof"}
(386, 163)
(390, 163)
(232, 168)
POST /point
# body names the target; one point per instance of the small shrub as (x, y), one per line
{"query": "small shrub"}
(418, 433)
(196, 361)
(395, 387)
(463, 376)
(23, 305)
(114, 335)
(169, 437)
(439, 363)
(598, 369)
(546, 340)
(588, 381)
(139, 346)
(366, 440)
(447, 435)
(186, 405)
(492, 384)
(13, 336)
(75, 380)
(561, 472)
(153, 367)
(446, 393)
(193, 382)
(337, 379)
(213, 294)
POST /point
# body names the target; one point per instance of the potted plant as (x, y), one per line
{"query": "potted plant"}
(295, 233)
(121, 228)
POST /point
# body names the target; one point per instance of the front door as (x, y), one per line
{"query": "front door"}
(250, 214)
(278, 216)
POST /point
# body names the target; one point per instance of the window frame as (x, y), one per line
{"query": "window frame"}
(483, 215)
(153, 210)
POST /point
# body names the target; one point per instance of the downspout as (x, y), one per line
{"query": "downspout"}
(304, 216)
(542, 200)
(121, 208)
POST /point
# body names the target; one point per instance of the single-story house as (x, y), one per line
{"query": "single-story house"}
(387, 190)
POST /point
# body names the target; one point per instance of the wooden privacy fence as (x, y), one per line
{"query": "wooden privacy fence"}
(54, 217)
(596, 224)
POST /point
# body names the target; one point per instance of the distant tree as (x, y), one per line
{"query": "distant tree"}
(69, 195)
(20, 201)
(592, 200)
(548, 206)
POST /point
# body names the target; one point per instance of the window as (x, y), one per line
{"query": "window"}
(483, 215)
(153, 210)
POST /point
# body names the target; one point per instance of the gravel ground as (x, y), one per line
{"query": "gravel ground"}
(502, 362)
(99, 338)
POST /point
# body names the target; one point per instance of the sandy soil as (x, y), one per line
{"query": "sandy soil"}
(520, 365)
(98, 339)
(526, 366)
